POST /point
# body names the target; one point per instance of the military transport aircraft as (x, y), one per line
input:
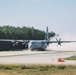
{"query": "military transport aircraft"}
(37, 44)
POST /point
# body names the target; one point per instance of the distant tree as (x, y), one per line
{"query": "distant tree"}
(25, 33)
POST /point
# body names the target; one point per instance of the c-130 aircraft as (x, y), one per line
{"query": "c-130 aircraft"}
(37, 44)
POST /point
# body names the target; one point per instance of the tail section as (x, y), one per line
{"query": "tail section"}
(46, 34)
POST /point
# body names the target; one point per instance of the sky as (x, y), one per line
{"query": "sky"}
(58, 15)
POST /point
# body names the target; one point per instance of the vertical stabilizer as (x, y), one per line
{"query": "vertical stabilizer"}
(46, 34)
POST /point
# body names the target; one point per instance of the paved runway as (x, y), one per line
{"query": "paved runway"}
(35, 57)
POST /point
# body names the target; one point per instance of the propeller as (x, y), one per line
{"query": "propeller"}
(25, 43)
(48, 42)
(59, 41)
(15, 43)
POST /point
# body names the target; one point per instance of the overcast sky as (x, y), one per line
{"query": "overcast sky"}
(58, 15)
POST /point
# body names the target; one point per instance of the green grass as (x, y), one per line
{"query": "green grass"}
(71, 58)
(37, 70)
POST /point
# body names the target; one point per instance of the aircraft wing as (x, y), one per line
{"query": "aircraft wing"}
(10, 40)
(15, 42)
(59, 42)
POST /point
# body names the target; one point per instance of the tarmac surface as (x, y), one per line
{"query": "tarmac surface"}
(36, 57)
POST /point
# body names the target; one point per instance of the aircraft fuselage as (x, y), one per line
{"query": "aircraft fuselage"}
(38, 45)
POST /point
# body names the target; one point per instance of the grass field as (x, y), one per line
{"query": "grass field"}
(37, 70)
(71, 58)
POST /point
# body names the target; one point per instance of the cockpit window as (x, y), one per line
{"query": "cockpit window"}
(32, 42)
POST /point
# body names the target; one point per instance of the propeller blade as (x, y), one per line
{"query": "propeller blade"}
(58, 41)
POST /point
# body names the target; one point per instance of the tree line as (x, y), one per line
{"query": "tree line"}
(23, 33)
